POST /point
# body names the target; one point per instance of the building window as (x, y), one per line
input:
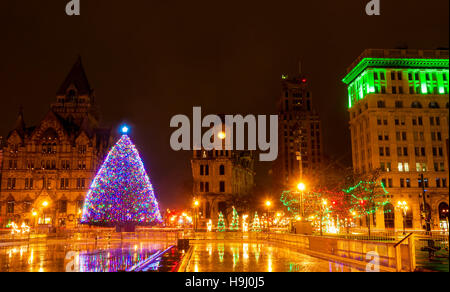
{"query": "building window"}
(10, 207)
(63, 206)
(392, 75)
(433, 105)
(409, 218)
(389, 216)
(399, 104)
(64, 184)
(222, 187)
(416, 104)
(81, 183)
(81, 164)
(28, 183)
(11, 185)
(27, 206)
(82, 149)
(381, 104)
(222, 169)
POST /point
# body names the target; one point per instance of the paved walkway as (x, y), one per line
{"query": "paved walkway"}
(255, 257)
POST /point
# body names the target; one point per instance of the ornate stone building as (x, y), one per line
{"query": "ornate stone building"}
(398, 103)
(47, 169)
(220, 178)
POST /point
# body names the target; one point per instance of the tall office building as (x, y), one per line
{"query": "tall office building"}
(398, 102)
(300, 147)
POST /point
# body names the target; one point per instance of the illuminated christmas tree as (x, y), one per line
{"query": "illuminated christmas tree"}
(366, 197)
(121, 194)
(221, 223)
(256, 224)
(234, 226)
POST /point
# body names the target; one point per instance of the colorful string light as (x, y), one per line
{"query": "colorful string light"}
(121, 192)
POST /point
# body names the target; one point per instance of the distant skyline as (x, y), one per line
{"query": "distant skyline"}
(148, 61)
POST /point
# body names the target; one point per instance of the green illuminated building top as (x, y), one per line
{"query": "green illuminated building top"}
(397, 72)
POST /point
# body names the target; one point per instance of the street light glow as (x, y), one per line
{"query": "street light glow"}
(268, 203)
(45, 204)
(221, 135)
(301, 187)
(196, 203)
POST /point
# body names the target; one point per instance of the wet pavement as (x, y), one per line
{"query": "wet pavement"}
(256, 257)
(207, 256)
(75, 257)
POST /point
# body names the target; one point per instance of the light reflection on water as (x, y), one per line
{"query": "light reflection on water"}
(257, 257)
(74, 257)
(112, 260)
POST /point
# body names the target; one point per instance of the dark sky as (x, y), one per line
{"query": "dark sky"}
(149, 60)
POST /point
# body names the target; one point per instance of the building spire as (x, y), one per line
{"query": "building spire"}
(76, 77)
(20, 122)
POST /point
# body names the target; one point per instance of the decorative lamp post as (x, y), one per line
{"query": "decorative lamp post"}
(301, 187)
(268, 203)
(196, 204)
(44, 206)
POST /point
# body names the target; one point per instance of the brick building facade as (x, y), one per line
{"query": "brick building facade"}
(47, 169)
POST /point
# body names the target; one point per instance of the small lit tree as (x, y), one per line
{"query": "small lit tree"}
(256, 224)
(234, 226)
(221, 223)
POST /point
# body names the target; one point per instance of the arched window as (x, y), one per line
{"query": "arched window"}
(71, 94)
(389, 216)
(433, 104)
(443, 211)
(49, 140)
(208, 210)
(63, 206)
(409, 218)
(416, 104)
(222, 169)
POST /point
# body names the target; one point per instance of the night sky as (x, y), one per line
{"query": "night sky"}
(149, 60)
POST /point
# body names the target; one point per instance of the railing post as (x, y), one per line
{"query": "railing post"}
(412, 253)
(398, 258)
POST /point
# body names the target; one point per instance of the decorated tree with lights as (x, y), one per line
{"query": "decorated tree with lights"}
(121, 194)
(221, 223)
(366, 197)
(234, 225)
(256, 224)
